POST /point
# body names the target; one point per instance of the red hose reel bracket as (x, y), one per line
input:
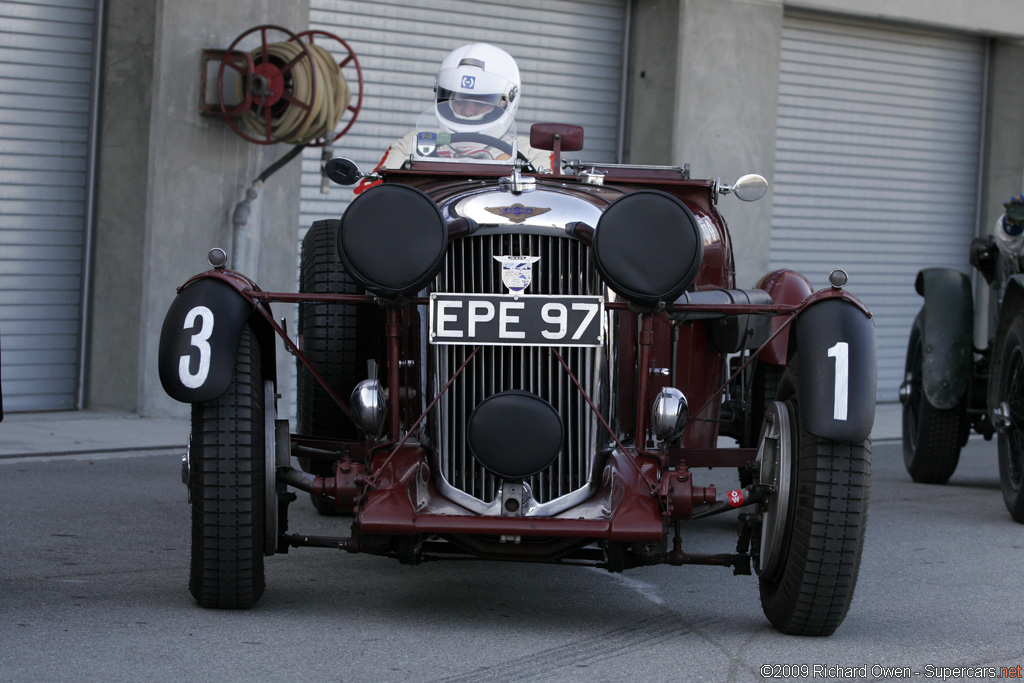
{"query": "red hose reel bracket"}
(264, 85)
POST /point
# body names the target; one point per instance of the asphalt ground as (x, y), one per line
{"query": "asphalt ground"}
(105, 434)
(93, 587)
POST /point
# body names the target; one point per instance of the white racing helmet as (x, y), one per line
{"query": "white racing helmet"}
(477, 90)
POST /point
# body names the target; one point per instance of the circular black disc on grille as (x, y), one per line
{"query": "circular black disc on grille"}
(515, 434)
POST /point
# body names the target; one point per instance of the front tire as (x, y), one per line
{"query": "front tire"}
(227, 485)
(1011, 439)
(932, 437)
(807, 589)
(337, 339)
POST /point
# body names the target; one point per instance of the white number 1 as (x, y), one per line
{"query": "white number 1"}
(841, 352)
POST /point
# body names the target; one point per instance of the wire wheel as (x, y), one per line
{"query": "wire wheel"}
(775, 468)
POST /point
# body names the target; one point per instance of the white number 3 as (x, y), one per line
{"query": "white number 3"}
(841, 352)
(200, 340)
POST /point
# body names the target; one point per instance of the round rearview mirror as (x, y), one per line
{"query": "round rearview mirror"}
(750, 187)
(342, 171)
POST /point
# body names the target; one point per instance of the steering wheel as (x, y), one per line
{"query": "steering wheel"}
(497, 143)
(480, 138)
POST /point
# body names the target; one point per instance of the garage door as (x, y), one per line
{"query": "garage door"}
(570, 56)
(877, 156)
(46, 76)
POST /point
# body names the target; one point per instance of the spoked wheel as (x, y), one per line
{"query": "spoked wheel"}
(763, 389)
(1011, 412)
(337, 340)
(812, 535)
(932, 437)
(231, 485)
(775, 461)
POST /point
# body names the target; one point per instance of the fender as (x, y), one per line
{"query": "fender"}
(947, 335)
(200, 336)
(1011, 306)
(784, 287)
(838, 370)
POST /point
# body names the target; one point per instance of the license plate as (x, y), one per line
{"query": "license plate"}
(516, 319)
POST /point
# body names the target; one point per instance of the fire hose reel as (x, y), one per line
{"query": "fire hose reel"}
(273, 85)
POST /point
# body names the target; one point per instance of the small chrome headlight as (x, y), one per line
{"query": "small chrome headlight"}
(369, 407)
(669, 414)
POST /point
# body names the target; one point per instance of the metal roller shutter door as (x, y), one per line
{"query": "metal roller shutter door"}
(570, 56)
(876, 166)
(46, 76)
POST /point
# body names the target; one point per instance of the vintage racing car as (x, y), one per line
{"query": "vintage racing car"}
(950, 387)
(509, 365)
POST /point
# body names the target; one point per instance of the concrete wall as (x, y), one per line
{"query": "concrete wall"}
(168, 182)
(1003, 171)
(985, 17)
(1004, 163)
(112, 369)
(703, 90)
(651, 83)
(718, 65)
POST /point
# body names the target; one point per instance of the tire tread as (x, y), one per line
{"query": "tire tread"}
(226, 485)
(811, 593)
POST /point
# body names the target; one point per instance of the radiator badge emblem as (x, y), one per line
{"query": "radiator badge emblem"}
(517, 213)
(517, 271)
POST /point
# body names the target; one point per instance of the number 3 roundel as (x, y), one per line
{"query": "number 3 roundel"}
(199, 340)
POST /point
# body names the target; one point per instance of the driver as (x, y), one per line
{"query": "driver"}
(1008, 238)
(1012, 220)
(1009, 228)
(477, 91)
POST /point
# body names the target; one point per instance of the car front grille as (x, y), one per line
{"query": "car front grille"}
(564, 268)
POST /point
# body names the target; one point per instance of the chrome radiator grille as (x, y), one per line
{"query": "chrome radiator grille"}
(564, 267)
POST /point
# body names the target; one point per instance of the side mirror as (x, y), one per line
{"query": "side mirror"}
(748, 188)
(343, 171)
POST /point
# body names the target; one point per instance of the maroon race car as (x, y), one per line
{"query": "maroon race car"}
(509, 365)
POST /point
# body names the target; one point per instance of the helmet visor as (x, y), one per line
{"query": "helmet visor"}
(492, 99)
(462, 110)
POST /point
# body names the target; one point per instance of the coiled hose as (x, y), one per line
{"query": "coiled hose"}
(289, 122)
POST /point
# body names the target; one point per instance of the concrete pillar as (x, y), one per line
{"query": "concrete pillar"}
(1004, 163)
(1003, 167)
(169, 180)
(112, 367)
(704, 78)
